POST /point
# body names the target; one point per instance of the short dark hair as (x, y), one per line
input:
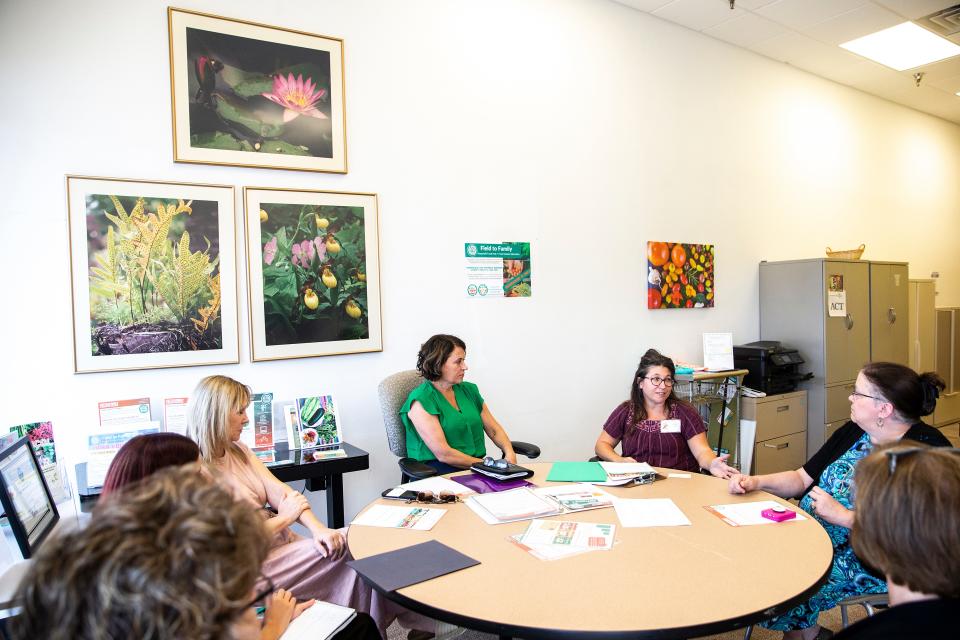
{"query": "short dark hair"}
(434, 352)
(906, 521)
(145, 454)
(174, 557)
(912, 395)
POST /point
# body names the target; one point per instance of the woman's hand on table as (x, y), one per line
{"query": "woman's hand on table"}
(291, 506)
(740, 483)
(826, 506)
(329, 543)
(720, 468)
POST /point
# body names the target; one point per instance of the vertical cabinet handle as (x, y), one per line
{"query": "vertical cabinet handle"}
(849, 320)
(891, 315)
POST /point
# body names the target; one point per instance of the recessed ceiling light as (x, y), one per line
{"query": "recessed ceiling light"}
(904, 46)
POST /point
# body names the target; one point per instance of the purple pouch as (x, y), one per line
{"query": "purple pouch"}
(483, 484)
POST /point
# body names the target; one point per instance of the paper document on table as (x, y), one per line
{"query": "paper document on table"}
(567, 533)
(739, 514)
(509, 506)
(577, 497)
(650, 512)
(438, 484)
(419, 518)
(617, 468)
(321, 620)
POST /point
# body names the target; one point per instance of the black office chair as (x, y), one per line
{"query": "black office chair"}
(393, 392)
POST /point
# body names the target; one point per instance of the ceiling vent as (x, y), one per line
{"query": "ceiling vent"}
(945, 22)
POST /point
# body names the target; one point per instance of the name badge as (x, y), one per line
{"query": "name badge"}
(669, 426)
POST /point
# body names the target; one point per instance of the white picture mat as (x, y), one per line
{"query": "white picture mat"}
(78, 188)
(179, 21)
(253, 198)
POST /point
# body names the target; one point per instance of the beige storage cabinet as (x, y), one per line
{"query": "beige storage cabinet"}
(889, 312)
(948, 365)
(781, 443)
(922, 326)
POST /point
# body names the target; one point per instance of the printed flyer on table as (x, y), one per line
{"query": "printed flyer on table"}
(497, 270)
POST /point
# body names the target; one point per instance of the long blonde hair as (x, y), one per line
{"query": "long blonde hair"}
(211, 404)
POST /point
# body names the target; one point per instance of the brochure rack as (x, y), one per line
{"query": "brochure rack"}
(716, 395)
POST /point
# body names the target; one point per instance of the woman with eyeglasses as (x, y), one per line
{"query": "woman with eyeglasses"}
(657, 427)
(905, 525)
(141, 457)
(886, 405)
(313, 567)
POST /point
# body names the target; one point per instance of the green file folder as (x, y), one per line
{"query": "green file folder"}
(576, 472)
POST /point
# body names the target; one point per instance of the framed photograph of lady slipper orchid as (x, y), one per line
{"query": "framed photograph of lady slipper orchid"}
(253, 95)
(154, 275)
(313, 268)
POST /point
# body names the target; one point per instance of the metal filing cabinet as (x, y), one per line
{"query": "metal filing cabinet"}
(781, 442)
(948, 365)
(795, 308)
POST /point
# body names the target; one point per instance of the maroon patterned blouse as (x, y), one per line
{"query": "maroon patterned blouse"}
(646, 443)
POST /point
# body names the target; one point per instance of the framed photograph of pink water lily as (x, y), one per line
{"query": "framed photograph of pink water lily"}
(253, 95)
(314, 273)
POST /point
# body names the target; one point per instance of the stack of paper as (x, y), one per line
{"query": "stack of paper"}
(624, 472)
(510, 506)
(555, 539)
(739, 514)
(438, 484)
(651, 512)
(577, 497)
(322, 620)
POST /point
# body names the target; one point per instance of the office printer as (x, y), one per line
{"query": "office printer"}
(773, 367)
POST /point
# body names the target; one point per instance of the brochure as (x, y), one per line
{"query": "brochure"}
(261, 404)
(175, 415)
(577, 497)
(740, 514)
(103, 447)
(315, 423)
(41, 438)
(124, 412)
(555, 539)
(510, 506)
(419, 518)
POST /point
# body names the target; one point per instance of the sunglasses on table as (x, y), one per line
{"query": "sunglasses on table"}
(895, 455)
(429, 497)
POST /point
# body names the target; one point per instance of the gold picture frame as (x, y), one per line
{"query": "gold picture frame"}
(253, 95)
(313, 272)
(153, 273)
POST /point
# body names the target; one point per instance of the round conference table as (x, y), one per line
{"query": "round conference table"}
(656, 582)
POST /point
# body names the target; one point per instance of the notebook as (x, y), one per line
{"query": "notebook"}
(322, 620)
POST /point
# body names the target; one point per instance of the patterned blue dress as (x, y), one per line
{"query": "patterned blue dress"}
(847, 576)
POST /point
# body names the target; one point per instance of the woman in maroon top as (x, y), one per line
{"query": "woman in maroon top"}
(657, 427)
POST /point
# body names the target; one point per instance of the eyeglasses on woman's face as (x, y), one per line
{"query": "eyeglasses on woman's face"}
(857, 394)
(658, 381)
(896, 454)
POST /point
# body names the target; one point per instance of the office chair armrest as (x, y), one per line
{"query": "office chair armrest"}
(526, 449)
(416, 470)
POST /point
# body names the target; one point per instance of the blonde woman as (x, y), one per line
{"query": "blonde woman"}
(311, 567)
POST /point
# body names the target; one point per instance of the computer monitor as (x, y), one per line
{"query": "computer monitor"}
(26, 497)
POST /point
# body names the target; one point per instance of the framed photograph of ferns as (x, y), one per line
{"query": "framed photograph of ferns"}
(314, 273)
(153, 271)
(249, 94)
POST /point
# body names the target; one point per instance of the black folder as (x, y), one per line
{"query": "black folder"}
(401, 568)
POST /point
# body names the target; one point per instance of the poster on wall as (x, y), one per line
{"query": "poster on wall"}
(314, 273)
(680, 275)
(497, 269)
(153, 269)
(248, 94)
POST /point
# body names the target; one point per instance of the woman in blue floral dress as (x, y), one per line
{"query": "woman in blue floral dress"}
(886, 405)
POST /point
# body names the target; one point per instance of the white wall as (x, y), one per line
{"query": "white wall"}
(582, 126)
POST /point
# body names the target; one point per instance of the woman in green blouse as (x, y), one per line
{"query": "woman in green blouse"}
(445, 417)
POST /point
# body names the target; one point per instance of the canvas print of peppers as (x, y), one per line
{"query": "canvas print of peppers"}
(256, 95)
(149, 273)
(680, 276)
(314, 285)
